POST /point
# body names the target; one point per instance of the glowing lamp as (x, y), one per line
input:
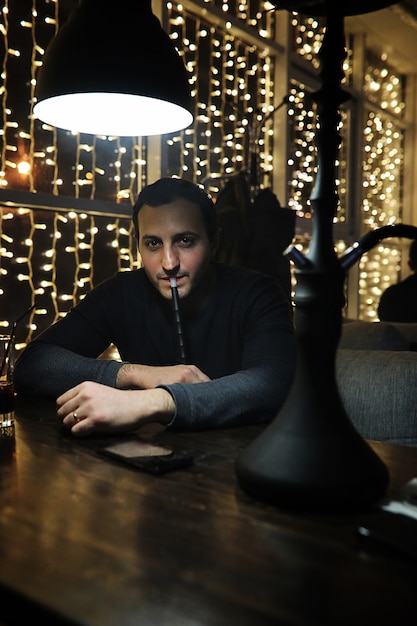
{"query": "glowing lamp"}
(113, 72)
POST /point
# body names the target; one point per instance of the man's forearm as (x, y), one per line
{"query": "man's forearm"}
(137, 376)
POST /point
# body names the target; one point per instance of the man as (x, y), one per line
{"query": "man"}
(237, 328)
(398, 303)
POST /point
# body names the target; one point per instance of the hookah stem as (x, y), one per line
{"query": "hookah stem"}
(12, 335)
(175, 302)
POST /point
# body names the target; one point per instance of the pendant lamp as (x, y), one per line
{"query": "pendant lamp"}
(113, 70)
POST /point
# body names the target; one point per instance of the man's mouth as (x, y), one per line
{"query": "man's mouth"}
(167, 279)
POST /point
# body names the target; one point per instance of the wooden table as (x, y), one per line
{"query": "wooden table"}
(84, 540)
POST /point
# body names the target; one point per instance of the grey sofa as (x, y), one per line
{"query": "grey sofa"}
(376, 372)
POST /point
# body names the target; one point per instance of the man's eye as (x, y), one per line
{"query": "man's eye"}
(152, 243)
(187, 241)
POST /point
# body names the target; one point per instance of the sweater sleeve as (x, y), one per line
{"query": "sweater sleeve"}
(249, 396)
(49, 370)
(65, 354)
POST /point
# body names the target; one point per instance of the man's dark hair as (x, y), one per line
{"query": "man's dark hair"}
(412, 254)
(166, 190)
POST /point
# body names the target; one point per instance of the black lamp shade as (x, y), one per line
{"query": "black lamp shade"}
(113, 71)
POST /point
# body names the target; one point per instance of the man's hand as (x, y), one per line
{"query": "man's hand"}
(136, 376)
(91, 407)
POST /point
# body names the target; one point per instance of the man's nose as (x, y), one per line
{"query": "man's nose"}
(170, 259)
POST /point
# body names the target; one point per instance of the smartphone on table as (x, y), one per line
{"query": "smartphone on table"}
(146, 456)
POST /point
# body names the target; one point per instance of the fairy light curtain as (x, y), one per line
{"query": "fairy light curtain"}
(47, 255)
(233, 81)
(56, 256)
(307, 40)
(381, 153)
(383, 167)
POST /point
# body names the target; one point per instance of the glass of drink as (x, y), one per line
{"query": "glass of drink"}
(6, 384)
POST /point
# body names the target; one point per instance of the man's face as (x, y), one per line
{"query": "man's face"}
(173, 242)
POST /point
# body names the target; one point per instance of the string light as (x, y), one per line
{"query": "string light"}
(241, 89)
(383, 165)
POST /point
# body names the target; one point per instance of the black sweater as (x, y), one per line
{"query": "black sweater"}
(242, 339)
